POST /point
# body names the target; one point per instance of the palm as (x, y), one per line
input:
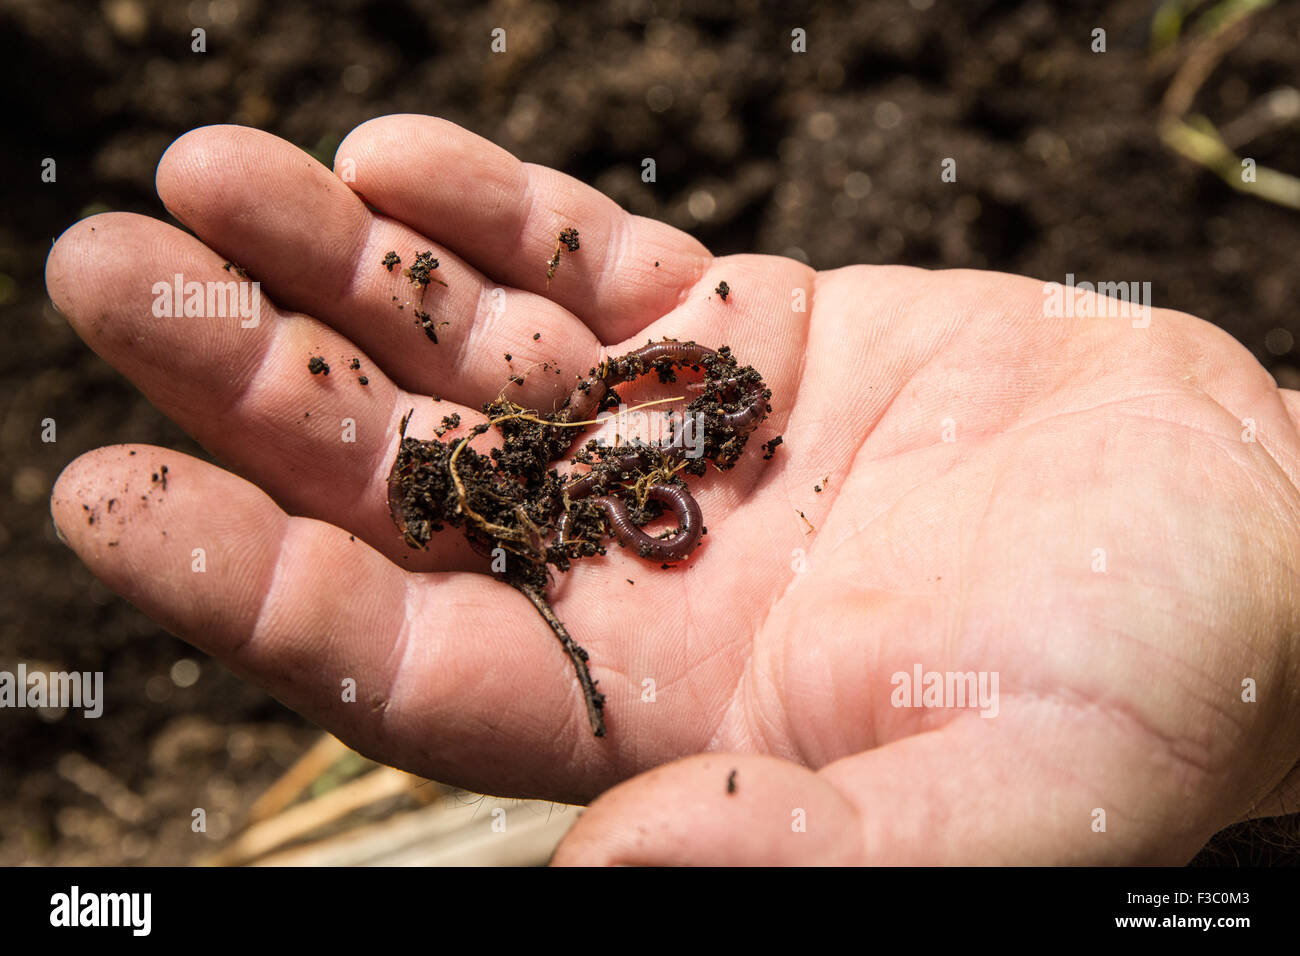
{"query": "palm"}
(1087, 532)
(975, 455)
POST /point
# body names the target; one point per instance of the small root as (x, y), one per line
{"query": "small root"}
(594, 699)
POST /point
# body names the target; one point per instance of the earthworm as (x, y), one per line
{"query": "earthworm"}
(748, 417)
(628, 462)
(673, 548)
(586, 400)
(727, 383)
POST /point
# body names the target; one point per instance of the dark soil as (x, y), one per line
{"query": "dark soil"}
(828, 156)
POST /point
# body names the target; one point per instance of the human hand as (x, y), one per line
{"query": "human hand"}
(771, 650)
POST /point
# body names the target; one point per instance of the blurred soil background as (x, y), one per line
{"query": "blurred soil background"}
(831, 156)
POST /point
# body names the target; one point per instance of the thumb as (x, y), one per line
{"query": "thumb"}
(717, 810)
(966, 794)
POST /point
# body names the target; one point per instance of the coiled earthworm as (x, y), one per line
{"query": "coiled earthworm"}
(673, 548)
(740, 419)
(748, 417)
(586, 400)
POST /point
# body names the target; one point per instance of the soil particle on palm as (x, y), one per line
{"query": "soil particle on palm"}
(449, 423)
(425, 321)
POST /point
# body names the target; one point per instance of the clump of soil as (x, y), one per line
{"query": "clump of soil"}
(567, 239)
(512, 499)
(419, 273)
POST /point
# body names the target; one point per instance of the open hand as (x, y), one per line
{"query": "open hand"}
(1106, 517)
